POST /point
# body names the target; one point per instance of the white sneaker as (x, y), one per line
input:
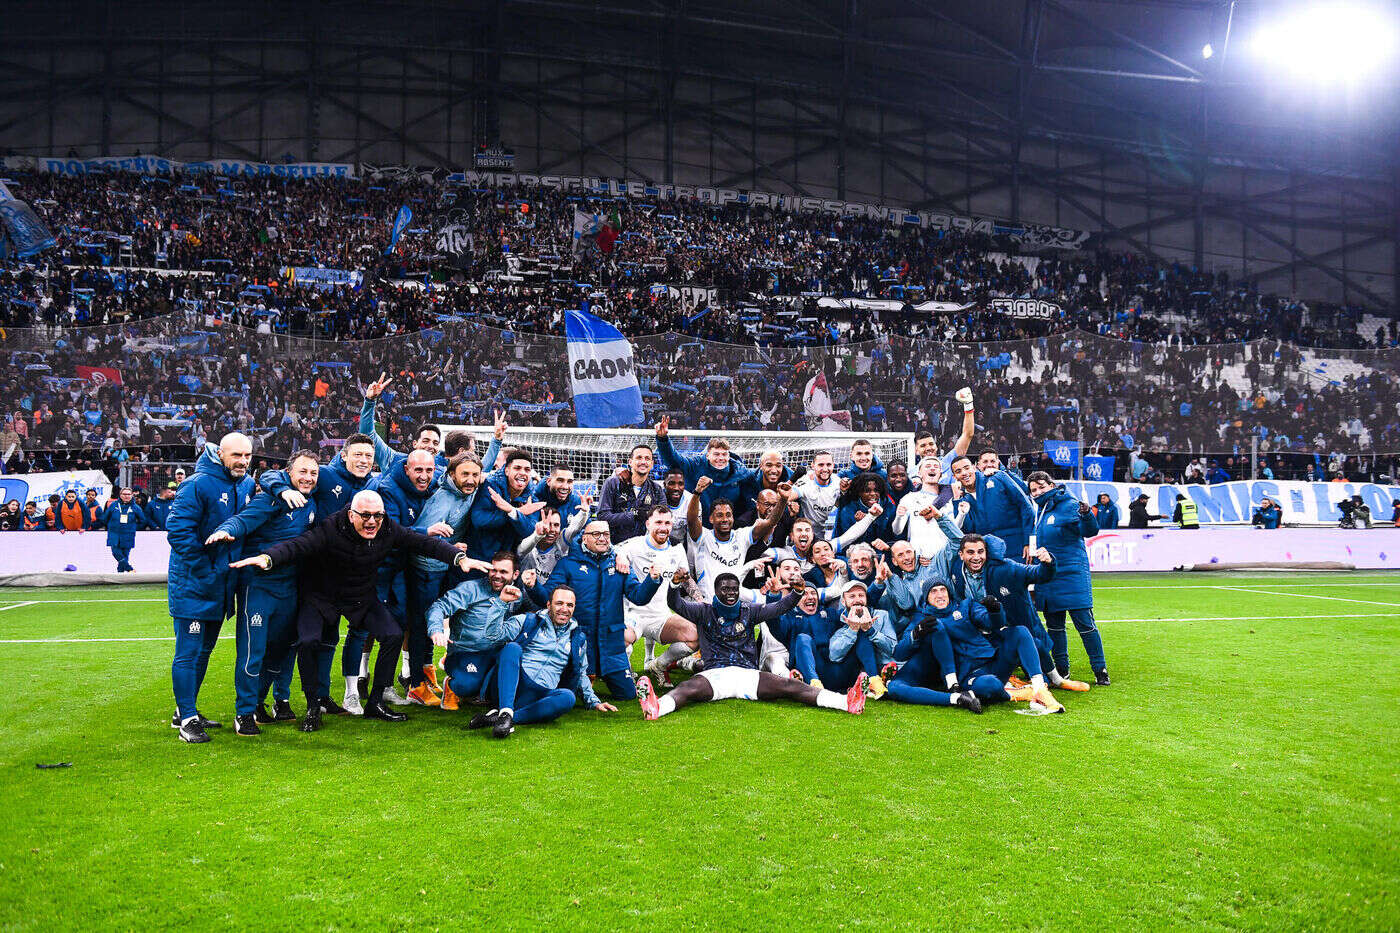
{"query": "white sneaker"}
(391, 697)
(691, 664)
(658, 676)
(352, 703)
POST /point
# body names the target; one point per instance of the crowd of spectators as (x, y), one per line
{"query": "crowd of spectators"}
(178, 286)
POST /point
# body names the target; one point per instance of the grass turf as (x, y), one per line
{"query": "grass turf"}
(1234, 776)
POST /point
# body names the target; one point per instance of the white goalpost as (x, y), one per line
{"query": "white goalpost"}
(594, 453)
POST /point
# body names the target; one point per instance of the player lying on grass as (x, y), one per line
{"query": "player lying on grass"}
(730, 646)
(526, 684)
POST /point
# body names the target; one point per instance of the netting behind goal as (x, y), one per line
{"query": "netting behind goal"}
(594, 453)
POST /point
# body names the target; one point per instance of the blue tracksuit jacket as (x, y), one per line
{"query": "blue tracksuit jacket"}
(599, 590)
(200, 584)
(1061, 530)
(1001, 508)
(123, 534)
(724, 484)
(473, 615)
(549, 650)
(492, 529)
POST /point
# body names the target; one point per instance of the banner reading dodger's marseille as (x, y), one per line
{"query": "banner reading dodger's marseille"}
(601, 373)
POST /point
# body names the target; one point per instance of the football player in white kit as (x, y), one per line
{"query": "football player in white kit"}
(721, 547)
(653, 620)
(916, 515)
(818, 490)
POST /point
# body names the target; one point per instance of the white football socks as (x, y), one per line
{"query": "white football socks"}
(830, 699)
(364, 665)
(665, 705)
(1054, 677)
(952, 680)
(1038, 682)
(404, 670)
(674, 655)
(352, 687)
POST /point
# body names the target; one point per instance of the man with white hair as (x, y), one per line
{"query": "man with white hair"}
(340, 559)
(200, 589)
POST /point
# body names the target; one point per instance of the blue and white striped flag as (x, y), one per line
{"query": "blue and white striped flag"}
(604, 380)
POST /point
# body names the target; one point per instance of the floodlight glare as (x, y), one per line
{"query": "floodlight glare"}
(1329, 42)
(1207, 50)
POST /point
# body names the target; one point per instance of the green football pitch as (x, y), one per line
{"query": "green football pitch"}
(1234, 776)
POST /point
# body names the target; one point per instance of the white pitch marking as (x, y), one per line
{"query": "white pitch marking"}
(18, 605)
(1272, 618)
(1340, 599)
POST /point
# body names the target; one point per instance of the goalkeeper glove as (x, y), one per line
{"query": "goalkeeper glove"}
(964, 395)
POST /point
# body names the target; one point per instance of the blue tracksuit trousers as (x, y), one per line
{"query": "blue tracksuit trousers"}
(528, 701)
(194, 642)
(923, 668)
(1083, 620)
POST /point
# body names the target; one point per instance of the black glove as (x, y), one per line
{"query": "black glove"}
(1084, 508)
(991, 604)
(924, 626)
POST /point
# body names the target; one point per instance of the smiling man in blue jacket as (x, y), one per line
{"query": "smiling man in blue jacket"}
(527, 684)
(200, 588)
(267, 603)
(728, 475)
(999, 506)
(601, 578)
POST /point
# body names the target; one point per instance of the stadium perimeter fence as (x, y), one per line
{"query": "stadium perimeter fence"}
(1073, 376)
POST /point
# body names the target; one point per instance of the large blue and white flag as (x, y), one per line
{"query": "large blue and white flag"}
(22, 233)
(604, 380)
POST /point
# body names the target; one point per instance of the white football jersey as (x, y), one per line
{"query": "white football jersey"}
(713, 557)
(818, 501)
(925, 536)
(642, 555)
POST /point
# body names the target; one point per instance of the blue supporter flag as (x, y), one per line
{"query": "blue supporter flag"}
(1098, 469)
(601, 372)
(1062, 453)
(401, 223)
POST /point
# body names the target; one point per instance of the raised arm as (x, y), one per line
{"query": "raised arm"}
(769, 611)
(969, 424)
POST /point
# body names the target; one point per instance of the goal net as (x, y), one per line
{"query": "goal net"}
(595, 453)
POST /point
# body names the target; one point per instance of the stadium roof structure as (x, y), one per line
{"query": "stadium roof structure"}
(1094, 114)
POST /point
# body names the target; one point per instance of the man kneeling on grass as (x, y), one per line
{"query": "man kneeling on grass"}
(731, 647)
(526, 683)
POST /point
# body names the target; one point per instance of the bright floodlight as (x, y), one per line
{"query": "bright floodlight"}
(1207, 50)
(1330, 42)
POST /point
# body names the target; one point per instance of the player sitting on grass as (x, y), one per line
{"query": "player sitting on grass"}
(730, 646)
(985, 651)
(542, 646)
(653, 620)
(468, 620)
(983, 569)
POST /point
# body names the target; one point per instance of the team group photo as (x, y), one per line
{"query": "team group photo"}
(646, 464)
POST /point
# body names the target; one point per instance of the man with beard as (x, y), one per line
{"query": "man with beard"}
(721, 547)
(626, 499)
(340, 559)
(998, 506)
(730, 646)
(201, 590)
